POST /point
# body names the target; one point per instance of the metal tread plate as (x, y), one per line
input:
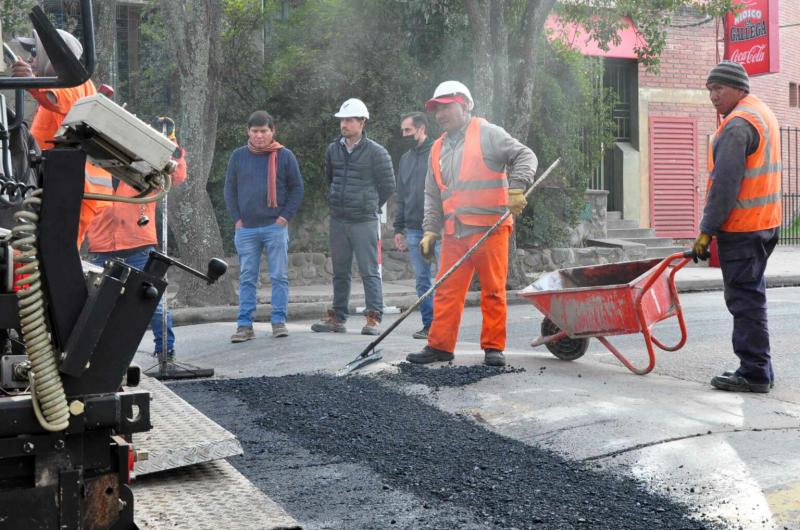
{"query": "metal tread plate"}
(181, 434)
(205, 496)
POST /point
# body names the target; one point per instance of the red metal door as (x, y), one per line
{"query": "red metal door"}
(673, 176)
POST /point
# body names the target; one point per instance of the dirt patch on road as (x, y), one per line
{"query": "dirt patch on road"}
(354, 453)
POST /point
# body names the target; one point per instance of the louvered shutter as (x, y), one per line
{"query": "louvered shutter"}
(673, 176)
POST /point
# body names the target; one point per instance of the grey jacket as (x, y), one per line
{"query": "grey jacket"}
(360, 182)
(500, 152)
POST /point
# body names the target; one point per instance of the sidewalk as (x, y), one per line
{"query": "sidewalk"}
(311, 301)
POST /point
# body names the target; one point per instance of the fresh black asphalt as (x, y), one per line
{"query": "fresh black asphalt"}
(359, 453)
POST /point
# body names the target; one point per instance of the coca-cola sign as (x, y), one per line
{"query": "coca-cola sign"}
(751, 36)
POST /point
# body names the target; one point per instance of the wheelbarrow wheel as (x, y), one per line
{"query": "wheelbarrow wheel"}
(566, 349)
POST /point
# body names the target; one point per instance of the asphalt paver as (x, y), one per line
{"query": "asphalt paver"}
(357, 452)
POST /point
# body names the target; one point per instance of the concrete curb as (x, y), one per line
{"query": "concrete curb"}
(309, 307)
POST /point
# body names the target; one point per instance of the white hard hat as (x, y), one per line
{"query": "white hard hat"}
(446, 92)
(353, 108)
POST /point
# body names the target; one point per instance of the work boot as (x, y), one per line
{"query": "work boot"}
(732, 372)
(243, 333)
(494, 358)
(371, 327)
(329, 324)
(429, 355)
(422, 334)
(279, 330)
(737, 383)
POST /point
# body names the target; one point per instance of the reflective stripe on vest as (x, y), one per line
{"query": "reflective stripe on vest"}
(758, 205)
(479, 195)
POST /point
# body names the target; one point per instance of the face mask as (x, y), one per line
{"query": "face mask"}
(408, 142)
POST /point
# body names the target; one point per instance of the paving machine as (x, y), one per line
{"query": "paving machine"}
(69, 330)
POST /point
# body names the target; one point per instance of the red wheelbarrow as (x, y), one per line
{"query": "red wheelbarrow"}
(603, 300)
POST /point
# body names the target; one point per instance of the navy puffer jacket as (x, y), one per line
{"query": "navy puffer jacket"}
(360, 182)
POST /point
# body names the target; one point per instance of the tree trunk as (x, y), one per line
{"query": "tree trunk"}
(504, 73)
(105, 25)
(479, 14)
(196, 28)
(523, 63)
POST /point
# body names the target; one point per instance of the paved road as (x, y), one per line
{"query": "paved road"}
(731, 455)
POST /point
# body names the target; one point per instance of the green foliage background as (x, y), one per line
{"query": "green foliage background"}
(301, 64)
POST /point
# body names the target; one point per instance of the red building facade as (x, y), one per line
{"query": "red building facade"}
(661, 173)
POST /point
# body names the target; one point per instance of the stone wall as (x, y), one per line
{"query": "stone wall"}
(314, 268)
(592, 222)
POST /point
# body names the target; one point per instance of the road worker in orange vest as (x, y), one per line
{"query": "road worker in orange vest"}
(127, 232)
(54, 104)
(476, 172)
(743, 211)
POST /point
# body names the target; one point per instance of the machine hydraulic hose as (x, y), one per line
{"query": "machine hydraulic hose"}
(47, 390)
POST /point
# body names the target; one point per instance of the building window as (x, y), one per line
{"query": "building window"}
(793, 94)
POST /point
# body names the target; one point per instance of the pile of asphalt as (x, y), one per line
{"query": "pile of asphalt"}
(354, 453)
(446, 375)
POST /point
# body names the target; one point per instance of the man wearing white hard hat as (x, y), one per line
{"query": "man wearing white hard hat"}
(54, 104)
(476, 172)
(360, 179)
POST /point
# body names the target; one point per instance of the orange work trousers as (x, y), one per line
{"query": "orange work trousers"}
(491, 263)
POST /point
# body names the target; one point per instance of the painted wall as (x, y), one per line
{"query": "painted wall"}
(679, 88)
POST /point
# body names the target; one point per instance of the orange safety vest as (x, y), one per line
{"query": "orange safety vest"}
(479, 196)
(116, 227)
(46, 122)
(758, 205)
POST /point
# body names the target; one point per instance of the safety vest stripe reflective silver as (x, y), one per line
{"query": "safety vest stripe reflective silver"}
(763, 170)
(480, 184)
(759, 201)
(100, 180)
(474, 185)
(475, 210)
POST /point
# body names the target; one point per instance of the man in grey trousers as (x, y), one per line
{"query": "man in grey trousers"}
(360, 176)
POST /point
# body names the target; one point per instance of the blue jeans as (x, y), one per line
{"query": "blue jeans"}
(138, 260)
(250, 243)
(424, 272)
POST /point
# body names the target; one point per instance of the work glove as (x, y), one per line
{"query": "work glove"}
(700, 247)
(427, 245)
(516, 201)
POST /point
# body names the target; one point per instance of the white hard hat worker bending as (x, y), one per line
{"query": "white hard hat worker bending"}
(476, 172)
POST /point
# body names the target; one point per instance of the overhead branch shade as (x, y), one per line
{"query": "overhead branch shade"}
(576, 36)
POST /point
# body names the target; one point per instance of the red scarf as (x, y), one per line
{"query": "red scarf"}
(272, 169)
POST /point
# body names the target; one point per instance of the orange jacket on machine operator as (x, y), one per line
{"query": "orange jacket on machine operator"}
(54, 104)
(116, 228)
(758, 205)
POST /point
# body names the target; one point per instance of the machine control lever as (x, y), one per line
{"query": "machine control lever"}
(158, 264)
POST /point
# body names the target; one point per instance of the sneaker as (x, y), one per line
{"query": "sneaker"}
(243, 333)
(494, 358)
(279, 330)
(422, 334)
(737, 383)
(329, 324)
(372, 325)
(429, 355)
